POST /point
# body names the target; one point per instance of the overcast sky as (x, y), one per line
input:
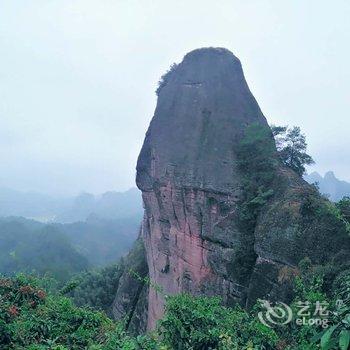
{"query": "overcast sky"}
(77, 80)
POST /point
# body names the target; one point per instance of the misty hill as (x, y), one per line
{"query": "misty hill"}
(84, 231)
(63, 249)
(27, 246)
(110, 205)
(102, 241)
(34, 205)
(330, 185)
(45, 208)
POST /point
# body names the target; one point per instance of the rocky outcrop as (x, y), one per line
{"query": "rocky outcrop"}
(186, 172)
(191, 187)
(131, 300)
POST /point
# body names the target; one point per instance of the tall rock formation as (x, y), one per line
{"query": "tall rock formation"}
(192, 186)
(186, 172)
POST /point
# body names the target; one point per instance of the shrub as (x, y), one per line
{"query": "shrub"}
(95, 288)
(165, 78)
(28, 316)
(198, 323)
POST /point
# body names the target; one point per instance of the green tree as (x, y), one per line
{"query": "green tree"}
(291, 146)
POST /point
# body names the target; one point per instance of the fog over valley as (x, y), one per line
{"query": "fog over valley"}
(78, 81)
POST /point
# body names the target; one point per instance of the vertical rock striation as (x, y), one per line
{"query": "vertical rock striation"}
(187, 174)
(191, 186)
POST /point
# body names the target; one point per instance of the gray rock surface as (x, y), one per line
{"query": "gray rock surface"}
(191, 186)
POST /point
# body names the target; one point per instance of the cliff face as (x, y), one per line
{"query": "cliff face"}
(186, 171)
(191, 187)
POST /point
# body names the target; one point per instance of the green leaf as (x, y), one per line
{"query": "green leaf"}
(344, 339)
(325, 340)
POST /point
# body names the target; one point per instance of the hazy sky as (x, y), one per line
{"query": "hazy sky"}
(77, 79)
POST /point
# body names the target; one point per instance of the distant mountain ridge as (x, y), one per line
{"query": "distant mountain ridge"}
(330, 185)
(33, 205)
(30, 246)
(111, 205)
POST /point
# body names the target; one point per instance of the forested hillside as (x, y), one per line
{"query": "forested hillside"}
(62, 250)
(27, 246)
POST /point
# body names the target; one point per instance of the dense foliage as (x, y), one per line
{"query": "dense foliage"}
(310, 286)
(33, 318)
(202, 323)
(344, 209)
(95, 288)
(338, 333)
(320, 220)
